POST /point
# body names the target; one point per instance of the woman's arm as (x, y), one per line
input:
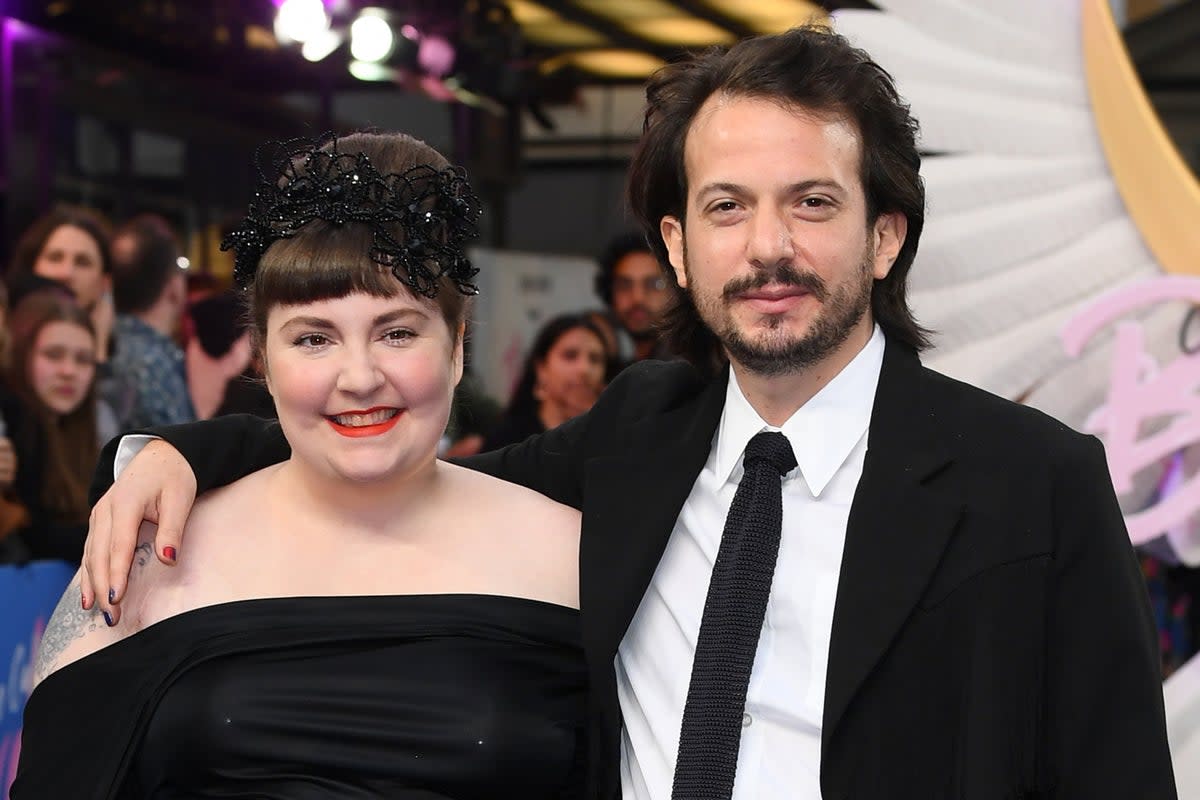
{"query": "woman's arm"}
(71, 634)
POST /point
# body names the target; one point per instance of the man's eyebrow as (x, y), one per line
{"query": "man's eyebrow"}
(725, 187)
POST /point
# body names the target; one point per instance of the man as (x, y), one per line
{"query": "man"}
(955, 610)
(632, 284)
(148, 384)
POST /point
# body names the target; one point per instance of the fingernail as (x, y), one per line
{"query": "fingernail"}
(108, 620)
(83, 602)
(169, 552)
(112, 595)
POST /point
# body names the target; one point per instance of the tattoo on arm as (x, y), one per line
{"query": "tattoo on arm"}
(68, 623)
(142, 553)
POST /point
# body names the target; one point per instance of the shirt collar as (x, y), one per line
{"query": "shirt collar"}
(822, 432)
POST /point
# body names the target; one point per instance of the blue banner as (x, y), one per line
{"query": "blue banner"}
(28, 596)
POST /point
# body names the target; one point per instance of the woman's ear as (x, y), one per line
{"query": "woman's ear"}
(457, 355)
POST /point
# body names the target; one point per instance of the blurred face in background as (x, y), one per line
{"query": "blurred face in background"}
(639, 294)
(62, 365)
(72, 257)
(571, 375)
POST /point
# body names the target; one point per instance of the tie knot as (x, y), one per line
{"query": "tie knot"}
(773, 448)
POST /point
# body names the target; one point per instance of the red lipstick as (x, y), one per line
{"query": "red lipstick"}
(360, 431)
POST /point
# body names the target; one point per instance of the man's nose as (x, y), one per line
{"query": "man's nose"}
(770, 242)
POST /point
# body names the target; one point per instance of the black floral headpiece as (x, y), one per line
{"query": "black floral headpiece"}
(309, 179)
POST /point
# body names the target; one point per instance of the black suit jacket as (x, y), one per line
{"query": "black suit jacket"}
(991, 637)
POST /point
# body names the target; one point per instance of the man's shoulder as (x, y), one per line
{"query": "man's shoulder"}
(984, 417)
(650, 385)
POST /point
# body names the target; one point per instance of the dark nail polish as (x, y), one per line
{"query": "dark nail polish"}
(108, 620)
(169, 552)
(112, 595)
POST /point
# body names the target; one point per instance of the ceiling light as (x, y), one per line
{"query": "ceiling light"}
(371, 71)
(320, 46)
(371, 37)
(300, 20)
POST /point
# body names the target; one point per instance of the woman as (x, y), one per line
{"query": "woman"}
(51, 417)
(562, 377)
(402, 643)
(70, 244)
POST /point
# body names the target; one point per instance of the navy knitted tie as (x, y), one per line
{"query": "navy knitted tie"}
(733, 617)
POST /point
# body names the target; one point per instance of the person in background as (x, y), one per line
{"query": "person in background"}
(53, 421)
(13, 514)
(148, 384)
(220, 370)
(563, 375)
(633, 285)
(603, 321)
(70, 244)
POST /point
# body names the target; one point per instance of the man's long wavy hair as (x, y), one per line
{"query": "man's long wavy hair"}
(809, 68)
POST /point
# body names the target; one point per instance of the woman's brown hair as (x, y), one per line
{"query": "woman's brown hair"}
(324, 260)
(29, 246)
(69, 439)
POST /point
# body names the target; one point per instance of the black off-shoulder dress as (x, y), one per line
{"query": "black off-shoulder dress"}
(451, 697)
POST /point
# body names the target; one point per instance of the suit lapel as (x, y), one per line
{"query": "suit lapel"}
(897, 530)
(630, 507)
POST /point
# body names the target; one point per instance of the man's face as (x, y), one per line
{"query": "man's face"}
(776, 252)
(639, 294)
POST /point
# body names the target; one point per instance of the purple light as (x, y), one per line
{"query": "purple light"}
(409, 32)
(436, 56)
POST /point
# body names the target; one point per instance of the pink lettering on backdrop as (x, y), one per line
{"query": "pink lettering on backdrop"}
(1140, 390)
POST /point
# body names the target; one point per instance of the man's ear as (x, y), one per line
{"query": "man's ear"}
(671, 230)
(888, 235)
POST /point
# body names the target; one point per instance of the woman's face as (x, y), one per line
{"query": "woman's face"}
(362, 384)
(72, 257)
(572, 373)
(62, 365)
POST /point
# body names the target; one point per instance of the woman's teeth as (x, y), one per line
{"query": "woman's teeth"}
(363, 420)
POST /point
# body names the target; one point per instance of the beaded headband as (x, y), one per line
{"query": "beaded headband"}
(307, 180)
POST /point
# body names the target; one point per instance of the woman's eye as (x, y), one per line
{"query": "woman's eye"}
(312, 340)
(399, 335)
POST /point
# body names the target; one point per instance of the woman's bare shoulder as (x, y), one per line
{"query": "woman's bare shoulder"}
(507, 501)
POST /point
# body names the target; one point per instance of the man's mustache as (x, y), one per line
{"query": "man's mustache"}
(785, 275)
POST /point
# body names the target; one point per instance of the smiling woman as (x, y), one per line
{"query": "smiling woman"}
(362, 609)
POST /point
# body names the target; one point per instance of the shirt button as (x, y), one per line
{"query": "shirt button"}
(746, 720)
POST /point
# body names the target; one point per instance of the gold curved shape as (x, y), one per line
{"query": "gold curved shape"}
(1160, 191)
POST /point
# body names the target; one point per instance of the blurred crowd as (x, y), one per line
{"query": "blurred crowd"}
(107, 329)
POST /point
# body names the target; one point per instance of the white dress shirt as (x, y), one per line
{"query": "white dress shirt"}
(780, 752)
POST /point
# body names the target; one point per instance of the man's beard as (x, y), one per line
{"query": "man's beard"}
(774, 351)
